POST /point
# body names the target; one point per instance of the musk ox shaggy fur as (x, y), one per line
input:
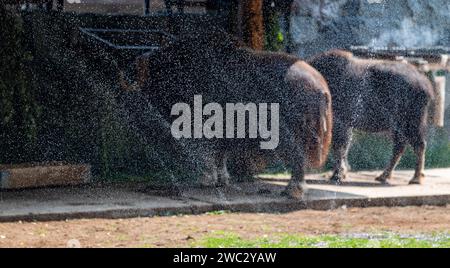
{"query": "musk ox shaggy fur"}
(213, 66)
(375, 96)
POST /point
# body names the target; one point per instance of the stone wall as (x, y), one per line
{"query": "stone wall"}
(324, 24)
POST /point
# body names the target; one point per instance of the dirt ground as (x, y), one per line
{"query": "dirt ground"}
(181, 231)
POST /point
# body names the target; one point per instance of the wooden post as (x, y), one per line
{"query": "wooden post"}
(438, 111)
(254, 23)
(250, 24)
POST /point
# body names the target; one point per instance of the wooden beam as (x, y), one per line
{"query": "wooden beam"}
(43, 175)
(252, 23)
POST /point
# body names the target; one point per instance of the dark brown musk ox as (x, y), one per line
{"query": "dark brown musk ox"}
(213, 66)
(376, 96)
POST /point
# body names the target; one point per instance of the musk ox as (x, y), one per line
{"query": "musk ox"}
(212, 66)
(375, 96)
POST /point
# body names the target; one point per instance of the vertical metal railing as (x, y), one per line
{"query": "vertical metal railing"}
(146, 7)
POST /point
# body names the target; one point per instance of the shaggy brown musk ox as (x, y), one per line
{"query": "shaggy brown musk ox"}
(375, 96)
(213, 66)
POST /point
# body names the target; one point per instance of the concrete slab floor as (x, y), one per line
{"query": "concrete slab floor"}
(136, 200)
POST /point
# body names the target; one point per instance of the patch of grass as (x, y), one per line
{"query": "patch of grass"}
(230, 240)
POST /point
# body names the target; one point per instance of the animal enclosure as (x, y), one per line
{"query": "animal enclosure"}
(213, 123)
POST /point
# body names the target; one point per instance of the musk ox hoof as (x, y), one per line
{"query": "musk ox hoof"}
(208, 179)
(222, 184)
(336, 179)
(223, 179)
(295, 192)
(417, 180)
(383, 179)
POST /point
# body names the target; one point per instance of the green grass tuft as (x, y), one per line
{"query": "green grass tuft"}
(230, 240)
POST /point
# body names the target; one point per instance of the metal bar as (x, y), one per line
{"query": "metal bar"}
(87, 32)
(137, 47)
(91, 32)
(146, 7)
(60, 5)
(161, 32)
(401, 51)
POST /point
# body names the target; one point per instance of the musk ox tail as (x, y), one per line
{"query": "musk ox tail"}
(315, 106)
(319, 139)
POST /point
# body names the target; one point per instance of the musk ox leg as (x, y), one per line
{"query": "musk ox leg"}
(293, 154)
(419, 150)
(209, 175)
(297, 185)
(417, 139)
(397, 152)
(222, 171)
(342, 138)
